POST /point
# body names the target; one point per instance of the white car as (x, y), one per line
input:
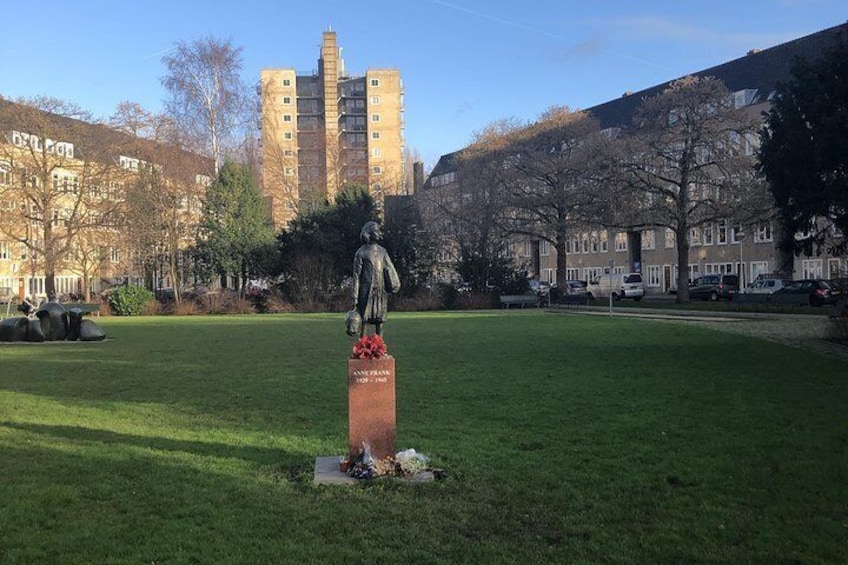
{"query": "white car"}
(765, 286)
(617, 285)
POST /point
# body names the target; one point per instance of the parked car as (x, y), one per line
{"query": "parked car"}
(576, 288)
(819, 291)
(541, 288)
(714, 287)
(617, 285)
(765, 286)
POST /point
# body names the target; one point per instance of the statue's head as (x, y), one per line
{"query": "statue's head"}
(370, 232)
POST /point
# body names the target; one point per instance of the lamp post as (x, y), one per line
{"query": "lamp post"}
(740, 235)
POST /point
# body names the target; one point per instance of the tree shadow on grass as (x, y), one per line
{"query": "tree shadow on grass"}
(252, 454)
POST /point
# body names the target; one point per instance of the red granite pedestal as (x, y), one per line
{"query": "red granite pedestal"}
(371, 406)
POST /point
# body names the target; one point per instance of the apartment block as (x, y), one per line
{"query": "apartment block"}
(326, 129)
(715, 246)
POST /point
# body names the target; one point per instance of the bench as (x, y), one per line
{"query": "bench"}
(508, 300)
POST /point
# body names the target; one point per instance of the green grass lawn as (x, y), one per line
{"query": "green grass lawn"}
(565, 439)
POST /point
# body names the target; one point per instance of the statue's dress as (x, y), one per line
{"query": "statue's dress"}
(374, 276)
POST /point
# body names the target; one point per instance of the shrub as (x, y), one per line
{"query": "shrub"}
(447, 295)
(837, 330)
(130, 300)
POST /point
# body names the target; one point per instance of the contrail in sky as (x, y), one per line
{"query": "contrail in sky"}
(540, 31)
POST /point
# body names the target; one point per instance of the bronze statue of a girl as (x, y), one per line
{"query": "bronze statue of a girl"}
(374, 276)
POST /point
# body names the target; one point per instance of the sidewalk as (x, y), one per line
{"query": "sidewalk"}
(802, 331)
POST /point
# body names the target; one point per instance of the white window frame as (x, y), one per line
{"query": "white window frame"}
(375, 118)
(763, 234)
(374, 83)
(649, 239)
(620, 242)
(721, 232)
(709, 235)
(670, 239)
(544, 248)
(653, 276)
(695, 237)
(812, 269)
(376, 170)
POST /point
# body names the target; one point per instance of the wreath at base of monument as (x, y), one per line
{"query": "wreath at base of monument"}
(369, 347)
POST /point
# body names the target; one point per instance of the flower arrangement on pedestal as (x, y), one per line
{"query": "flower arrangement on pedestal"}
(369, 347)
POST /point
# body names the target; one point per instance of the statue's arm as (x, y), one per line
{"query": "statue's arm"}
(391, 275)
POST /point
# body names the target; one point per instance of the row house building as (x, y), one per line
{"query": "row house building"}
(718, 246)
(89, 204)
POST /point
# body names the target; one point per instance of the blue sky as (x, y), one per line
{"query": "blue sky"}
(464, 63)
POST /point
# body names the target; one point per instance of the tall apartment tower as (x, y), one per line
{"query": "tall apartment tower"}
(323, 130)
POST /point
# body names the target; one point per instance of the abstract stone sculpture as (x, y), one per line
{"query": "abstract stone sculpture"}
(51, 323)
(54, 321)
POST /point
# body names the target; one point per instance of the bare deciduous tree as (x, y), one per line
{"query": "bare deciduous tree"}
(687, 161)
(208, 98)
(64, 180)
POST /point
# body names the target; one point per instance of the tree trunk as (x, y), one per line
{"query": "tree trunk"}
(682, 235)
(561, 261)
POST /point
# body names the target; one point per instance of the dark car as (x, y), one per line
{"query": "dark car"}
(714, 287)
(819, 291)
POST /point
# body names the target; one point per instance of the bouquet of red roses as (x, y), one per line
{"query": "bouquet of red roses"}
(369, 347)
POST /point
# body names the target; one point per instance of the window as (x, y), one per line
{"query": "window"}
(721, 231)
(376, 152)
(763, 233)
(287, 100)
(695, 237)
(812, 268)
(375, 100)
(670, 238)
(4, 250)
(649, 239)
(592, 273)
(652, 276)
(621, 241)
(708, 234)
(736, 233)
(375, 135)
(377, 170)
(375, 117)
(286, 82)
(758, 268)
(288, 153)
(289, 171)
(604, 241)
(593, 242)
(114, 255)
(572, 274)
(544, 248)
(584, 243)
(287, 118)
(287, 135)
(375, 82)
(5, 176)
